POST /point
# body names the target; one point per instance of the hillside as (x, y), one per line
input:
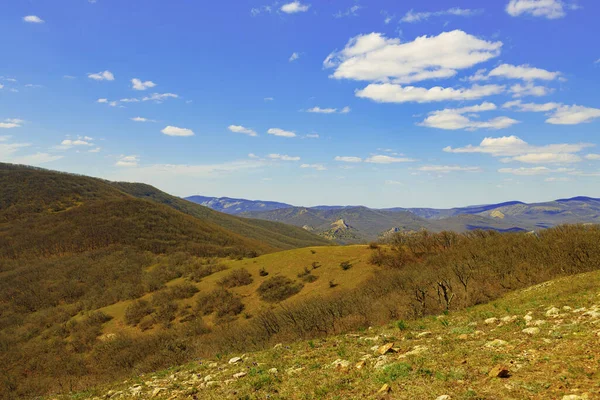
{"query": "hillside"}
(45, 212)
(369, 224)
(534, 343)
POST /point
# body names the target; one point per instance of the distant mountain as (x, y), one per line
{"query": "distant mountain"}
(236, 206)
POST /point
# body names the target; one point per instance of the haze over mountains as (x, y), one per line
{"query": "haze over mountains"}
(353, 224)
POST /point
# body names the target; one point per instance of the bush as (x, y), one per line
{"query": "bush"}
(316, 265)
(263, 272)
(237, 277)
(136, 311)
(278, 289)
(220, 301)
(345, 265)
(373, 245)
(205, 270)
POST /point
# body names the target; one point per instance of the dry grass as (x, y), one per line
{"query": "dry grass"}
(562, 359)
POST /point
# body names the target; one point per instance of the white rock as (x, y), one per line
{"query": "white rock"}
(573, 397)
(509, 318)
(423, 334)
(539, 322)
(531, 331)
(415, 351)
(443, 397)
(211, 383)
(339, 363)
(528, 318)
(491, 321)
(240, 375)
(552, 312)
(235, 360)
(157, 391)
(567, 308)
(496, 343)
(209, 378)
(382, 361)
(273, 371)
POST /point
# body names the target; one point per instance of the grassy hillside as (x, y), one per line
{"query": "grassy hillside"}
(543, 337)
(277, 235)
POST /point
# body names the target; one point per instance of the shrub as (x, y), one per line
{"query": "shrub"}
(373, 245)
(332, 284)
(220, 301)
(345, 265)
(310, 278)
(136, 311)
(237, 277)
(205, 270)
(263, 272)
(278, 289)
(316, 265)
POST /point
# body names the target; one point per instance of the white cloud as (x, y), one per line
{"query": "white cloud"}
(95, 150)
(128, 161)
(259, 10)
(319, 110)
(350, 12)
(558, 114)
(8, 153)
(1, 86)
(102, 101)
(550, 9)
(11, 123)
(318, 167)
(524, 72)
(382, 159)
(242, 129)
(175, 131)
(294, 57)
(102, 76)
(453, 119)
(137, 84)
(513, 148)
(77, 142)
(557, 179)
(529, 89)
(444, 169)
(532, 171)
(412, 16)
(283, 157)
(142, 119)
(348, 159)
(281, 132)
(593, 157)
(572, 115)
(160, 97)
(34, 19)
(373, 57)
(252, 155)
(294, 7)
(392, 93)
(131, 100)
(392, 182)
(269, 99)
(312, 136)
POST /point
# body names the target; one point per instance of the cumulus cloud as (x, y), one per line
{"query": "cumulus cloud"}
(33, 19)
(559, 114)
(412, 17)
(444, 169)
(318, 167)
(128, 161)
(513, 148)
(102, 76)
(137, 84)
(283, 157)
(294, 7)
(242, 129)
(294, 57)
(374, 57)
(281, 132)
(550, 9)
(175, 131)
(312, 136)
(76, 142)
(393, 93)
(383, 159)
(524, 72)
(529, 89)
(454, 118)
(348, 159)
(592, 157)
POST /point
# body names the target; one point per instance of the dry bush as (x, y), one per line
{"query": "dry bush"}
(220, 301)
(136, 311)
(278, 288)
(237, 277)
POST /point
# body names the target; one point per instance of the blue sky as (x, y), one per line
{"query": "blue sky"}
(381, 103)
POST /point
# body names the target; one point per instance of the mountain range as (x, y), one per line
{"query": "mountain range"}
(355, 224)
